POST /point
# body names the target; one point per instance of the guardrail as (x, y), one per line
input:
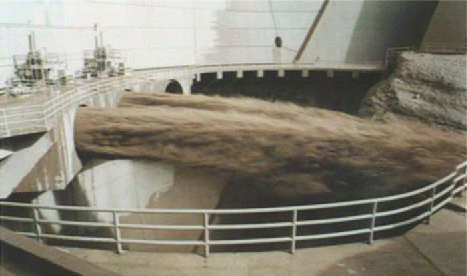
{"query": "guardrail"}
(444, 49)
(392, 53)
(34, 117)
(15, 120)
(405, 209)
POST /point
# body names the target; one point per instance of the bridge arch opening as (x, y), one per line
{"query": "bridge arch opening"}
(174, 87)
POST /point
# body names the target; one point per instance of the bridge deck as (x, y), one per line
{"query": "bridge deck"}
(32, 114)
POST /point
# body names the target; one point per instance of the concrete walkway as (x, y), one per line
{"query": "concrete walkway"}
(435, 249)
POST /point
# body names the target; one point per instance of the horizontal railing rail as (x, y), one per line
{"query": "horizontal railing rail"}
(444, 48)
(16, 120)
(33, 116)
(24, 116)
(429, 199)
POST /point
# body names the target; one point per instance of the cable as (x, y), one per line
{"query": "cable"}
(53, 50)
(146, 49)
(273, 18)
(26, 25)
(195, 38)
(39, 26)
(289, 49)
(140, 4)
(65, 27)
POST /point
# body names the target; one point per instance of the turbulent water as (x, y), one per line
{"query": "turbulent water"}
(290, 149)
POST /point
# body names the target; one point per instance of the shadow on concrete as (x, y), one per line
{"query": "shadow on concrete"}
(396, 258)
(24, 256)
(403, 23)
(420, 254)
(341, 92)
(247, 195)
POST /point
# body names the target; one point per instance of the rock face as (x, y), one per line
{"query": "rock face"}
(430, 88)
(287, 150)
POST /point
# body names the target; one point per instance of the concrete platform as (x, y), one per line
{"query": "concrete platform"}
(24, 256)
(459, 203)
(435, 249)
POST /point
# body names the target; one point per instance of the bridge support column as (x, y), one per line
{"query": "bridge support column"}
(186, 84)
(281, 73)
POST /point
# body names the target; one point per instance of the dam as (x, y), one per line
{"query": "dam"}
(57, 188)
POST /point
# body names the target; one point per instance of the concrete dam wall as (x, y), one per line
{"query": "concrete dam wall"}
(447, 28)
(362, 31)
(348, 33)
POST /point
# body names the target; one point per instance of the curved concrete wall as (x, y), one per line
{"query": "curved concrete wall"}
(106, 182)
(447, 27)
(42, 162)
(159, 33)
(362, 30)
(45, 162)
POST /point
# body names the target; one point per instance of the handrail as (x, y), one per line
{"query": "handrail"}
(253, 210)
(46, 108)
(428, 48)
(14, 119)
(442, 191)
(443, 48)
(76, 95)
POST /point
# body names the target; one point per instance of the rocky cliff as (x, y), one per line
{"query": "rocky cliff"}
(426, 87)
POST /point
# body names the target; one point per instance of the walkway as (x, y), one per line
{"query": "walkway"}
(435, 249)
(33, 114)
(16, 251)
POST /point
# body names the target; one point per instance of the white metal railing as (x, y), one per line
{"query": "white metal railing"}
(392, 53)
(444, 48)
(34, 117)
(422, 204)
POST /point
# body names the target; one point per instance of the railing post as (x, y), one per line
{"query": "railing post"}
(432, 203)
(386, 59)
(373, 222)
(7, 128)
(294, 230)
(118, 236)
(461, 171)
(44, 116)
(206, 234)
(37, 226)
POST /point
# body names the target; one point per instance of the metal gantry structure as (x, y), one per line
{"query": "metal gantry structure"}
(102, 60)
(38, 68)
